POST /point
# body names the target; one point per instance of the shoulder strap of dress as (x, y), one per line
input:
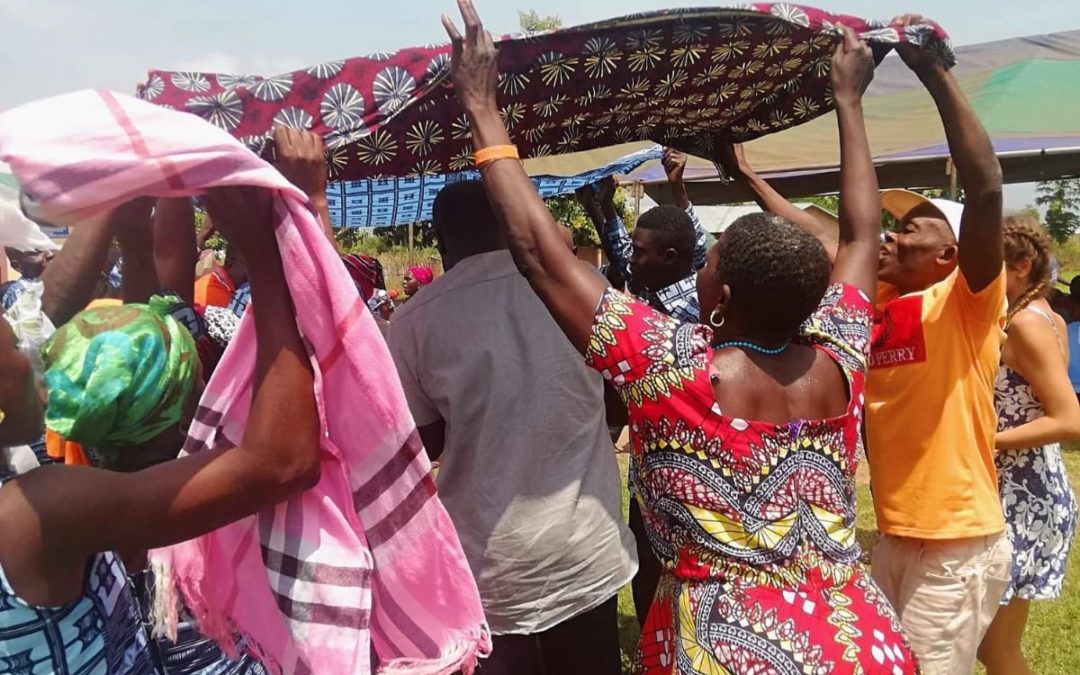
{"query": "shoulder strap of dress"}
(1049, 319)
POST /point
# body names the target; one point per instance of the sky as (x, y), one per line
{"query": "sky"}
(50, 47)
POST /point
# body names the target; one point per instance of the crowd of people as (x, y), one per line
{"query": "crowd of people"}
(753, 376)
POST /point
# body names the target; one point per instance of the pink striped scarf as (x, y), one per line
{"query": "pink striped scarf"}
(363, 573)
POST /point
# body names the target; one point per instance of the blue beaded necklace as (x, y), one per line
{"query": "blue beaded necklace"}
(768, 351)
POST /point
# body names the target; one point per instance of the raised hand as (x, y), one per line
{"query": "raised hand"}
(852, 68)
(475, 64)
(674, 163)
(915, 56)
(244, 216)
(300, 156)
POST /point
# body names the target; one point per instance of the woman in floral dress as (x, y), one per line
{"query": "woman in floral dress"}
(744, 432)
(1037, 410)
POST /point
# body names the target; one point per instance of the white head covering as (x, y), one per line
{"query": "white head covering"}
(900, 202)
(16, 230)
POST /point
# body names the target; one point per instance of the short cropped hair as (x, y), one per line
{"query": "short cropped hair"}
(777, 272)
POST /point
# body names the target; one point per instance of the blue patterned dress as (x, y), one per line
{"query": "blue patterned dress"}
(1039, 505)
(98, 634)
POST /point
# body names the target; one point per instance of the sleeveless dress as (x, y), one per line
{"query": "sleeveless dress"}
(1039, 505)
(753, 522)
(100, 633)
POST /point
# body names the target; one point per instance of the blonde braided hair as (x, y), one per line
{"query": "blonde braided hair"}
(1025, 239)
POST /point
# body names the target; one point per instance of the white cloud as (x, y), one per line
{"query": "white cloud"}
(251, 64)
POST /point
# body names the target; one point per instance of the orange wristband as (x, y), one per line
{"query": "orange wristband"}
(494, 153)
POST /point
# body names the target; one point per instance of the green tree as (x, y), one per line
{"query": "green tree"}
(1061, 199)
(567, 211)
(532, 22)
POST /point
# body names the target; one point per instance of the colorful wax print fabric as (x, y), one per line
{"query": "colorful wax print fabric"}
(690, 79)
(754, 522)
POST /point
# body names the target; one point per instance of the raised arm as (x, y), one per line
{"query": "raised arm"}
(181, 499)
(176, 248)
(569, 290)
(981, 244)
(300, 156)
(135, 234)
(771, 201)
(860, 204)
(674, 163)
(599, 203)
(71, 277)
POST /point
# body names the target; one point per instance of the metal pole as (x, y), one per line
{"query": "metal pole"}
(950, 171)
(411, 244)
(639, 189)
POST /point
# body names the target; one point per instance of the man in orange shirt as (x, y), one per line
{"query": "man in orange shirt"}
(944, 558)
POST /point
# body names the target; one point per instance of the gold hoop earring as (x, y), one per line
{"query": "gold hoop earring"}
(713, 322)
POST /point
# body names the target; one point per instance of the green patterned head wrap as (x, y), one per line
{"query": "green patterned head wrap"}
(119, 376)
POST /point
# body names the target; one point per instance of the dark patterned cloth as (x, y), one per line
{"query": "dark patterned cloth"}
(684, 78)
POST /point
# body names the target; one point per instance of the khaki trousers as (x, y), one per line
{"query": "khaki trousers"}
(946, 593)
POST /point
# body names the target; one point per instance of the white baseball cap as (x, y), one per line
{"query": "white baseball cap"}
(900, 202)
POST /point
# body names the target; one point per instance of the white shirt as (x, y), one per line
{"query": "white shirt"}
(528, 472)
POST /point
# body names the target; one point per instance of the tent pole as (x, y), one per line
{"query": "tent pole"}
(410, 244)
(950, 171)
(639, 189)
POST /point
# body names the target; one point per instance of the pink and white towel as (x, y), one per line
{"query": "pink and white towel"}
(363, 573)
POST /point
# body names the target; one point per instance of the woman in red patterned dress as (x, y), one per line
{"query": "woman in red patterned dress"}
(746, 432)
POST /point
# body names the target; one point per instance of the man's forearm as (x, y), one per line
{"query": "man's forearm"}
(969, 144)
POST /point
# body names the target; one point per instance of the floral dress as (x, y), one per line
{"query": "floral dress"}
(1039, 505)
(754, 522)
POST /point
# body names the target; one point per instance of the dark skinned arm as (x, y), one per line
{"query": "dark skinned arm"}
(135, 234)
(434, 437)
(860, 203)
(301, 158)
(570, 291)
(71, 277)
(599, 204)
(176, 250)
(772, 201)
(981, 251)
(48, 540)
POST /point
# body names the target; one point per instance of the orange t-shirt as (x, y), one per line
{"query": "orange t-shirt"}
(930, 417)
(214, 289)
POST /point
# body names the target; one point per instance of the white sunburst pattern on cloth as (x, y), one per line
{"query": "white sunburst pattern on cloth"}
(154, 86)
(439, 66)
(229, 81)
(294, 118)
(273, 88)
(791, 13)
(255, 143)
(224, 110)
(342, 106)
(393, 87)
(324, 71)
(194, 82)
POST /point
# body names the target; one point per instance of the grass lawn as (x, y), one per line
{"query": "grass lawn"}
(1050, 644)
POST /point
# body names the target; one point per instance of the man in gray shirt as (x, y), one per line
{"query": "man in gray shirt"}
(528, 471)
